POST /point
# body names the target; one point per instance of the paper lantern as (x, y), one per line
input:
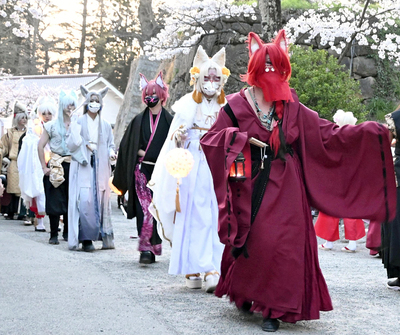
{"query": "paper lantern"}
(179, 162)
(112, 187)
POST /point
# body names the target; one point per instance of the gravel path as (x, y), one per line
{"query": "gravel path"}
(47, 289)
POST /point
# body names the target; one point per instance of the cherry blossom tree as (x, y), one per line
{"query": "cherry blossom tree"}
(342, 23)
(12, 90)
(337, 24)
(189, 22)
(14, 15)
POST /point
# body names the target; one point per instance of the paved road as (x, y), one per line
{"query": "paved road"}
(47, 289)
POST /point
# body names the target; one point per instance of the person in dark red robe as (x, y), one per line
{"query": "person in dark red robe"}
(292, 160)
(373, 242)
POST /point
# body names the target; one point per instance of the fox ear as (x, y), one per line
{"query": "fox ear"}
(103, 92)
(159, 80)
(255, 43)
(200, 57)
(281, 40)
(219, 57)
(143, 82)
(84, 91)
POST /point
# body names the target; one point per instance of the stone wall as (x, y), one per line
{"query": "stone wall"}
(363, 66)
(176, 72)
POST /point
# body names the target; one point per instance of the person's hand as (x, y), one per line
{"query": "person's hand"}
(141, 153)
(113, 157)
(46, 171)
(180, 136)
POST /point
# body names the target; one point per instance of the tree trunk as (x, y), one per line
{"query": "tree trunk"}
(81, 60)
(271, 18)
(35, 43)
(132, 104)
(148, 24)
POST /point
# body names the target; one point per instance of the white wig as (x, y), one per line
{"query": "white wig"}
(17, 117)
(204, 63)
(65, 99)
(47, 104)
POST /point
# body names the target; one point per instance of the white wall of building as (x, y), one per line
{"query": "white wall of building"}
(112, 102)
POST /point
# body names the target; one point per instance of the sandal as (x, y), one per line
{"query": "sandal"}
(322, 247)
(345, 249)
(212, 281)
(193, 281)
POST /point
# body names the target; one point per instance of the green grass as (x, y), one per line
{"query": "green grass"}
(244, 2)
(297, 4)
(378, 107)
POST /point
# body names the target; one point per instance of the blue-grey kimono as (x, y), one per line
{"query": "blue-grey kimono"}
(89, 194)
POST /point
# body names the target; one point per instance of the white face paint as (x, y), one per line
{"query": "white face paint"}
(94, 107)
(211, 83)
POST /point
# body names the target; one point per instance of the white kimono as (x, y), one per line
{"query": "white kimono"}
(31, 172)
(193, 232)
(84, 187)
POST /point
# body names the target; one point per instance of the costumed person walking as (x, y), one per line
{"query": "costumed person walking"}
(373, 241)
(193, 228)
(56, 170)
(390, 231)
(291, 159)
(137, 155)
(374, 235)
(9, 145)
(326, 226)
(29, 167)
(91, 143)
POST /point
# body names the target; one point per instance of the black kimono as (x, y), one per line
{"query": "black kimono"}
(390, 231)
(136, 137)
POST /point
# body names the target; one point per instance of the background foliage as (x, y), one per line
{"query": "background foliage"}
(323, 85)
(387, 87)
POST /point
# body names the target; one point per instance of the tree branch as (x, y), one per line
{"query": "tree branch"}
(353, 36)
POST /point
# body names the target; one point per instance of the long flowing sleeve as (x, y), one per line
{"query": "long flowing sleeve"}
(348, 171)
(76, 144)
(29, 168)
(163, 185)
(221, 145)
(122, 178)
(5, 145)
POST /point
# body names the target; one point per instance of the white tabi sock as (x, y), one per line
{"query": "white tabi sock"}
(328, 244)
(40, 224)
(352, 245)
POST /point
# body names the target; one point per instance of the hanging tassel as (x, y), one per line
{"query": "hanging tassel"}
(221, 97)
(177, 204)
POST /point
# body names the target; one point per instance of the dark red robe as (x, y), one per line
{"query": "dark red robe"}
(281, 274)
